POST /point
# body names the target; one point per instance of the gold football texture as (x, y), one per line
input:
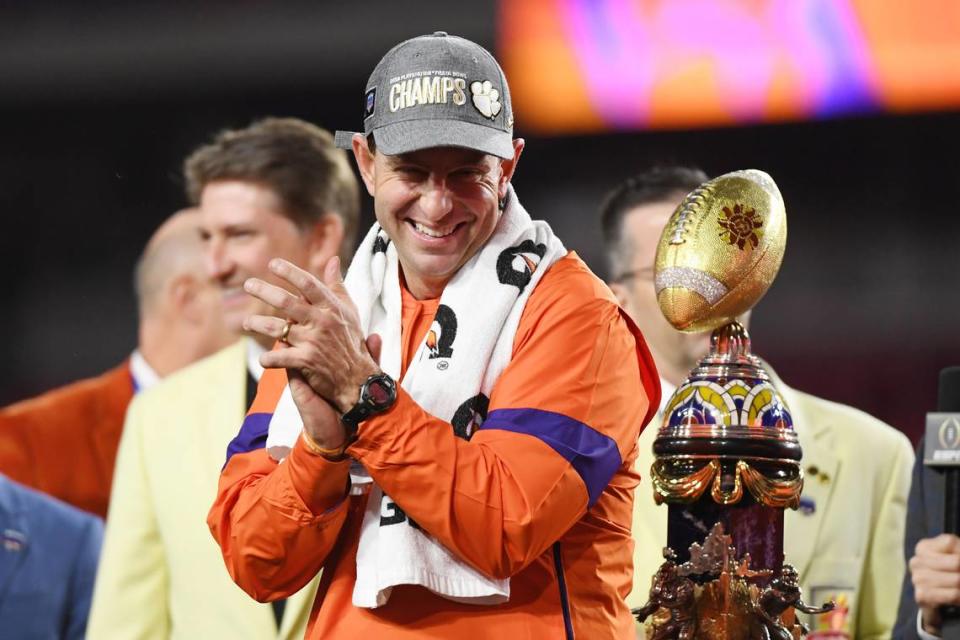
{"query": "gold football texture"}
(721, 250)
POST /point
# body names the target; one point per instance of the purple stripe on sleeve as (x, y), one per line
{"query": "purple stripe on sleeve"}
(253, 434)
(593, 455)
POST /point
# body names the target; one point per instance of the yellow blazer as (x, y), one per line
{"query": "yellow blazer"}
(161, 574)
(848, 541)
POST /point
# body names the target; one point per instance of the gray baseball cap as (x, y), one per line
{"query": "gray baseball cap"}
(437, 91)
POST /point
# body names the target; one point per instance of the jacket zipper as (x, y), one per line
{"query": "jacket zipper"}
(562, 584)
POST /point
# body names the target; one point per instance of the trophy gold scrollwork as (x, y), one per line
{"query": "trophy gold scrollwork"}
(727, 459)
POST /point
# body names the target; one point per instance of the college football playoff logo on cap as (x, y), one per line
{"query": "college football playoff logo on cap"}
(369, 102)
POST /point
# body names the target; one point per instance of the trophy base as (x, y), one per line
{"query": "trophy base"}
(723, 610)
(715, 595)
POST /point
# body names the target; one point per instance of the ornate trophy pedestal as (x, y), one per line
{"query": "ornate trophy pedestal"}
(727, 460)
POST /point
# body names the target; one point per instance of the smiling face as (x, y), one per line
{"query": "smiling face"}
(243, 229)
(439, 206)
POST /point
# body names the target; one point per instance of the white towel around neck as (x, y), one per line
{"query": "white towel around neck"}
(451, 376)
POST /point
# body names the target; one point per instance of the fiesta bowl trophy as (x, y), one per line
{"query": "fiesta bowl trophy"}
(727, 460)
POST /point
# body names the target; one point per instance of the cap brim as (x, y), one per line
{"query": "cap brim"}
(344, 139)
(414, 135)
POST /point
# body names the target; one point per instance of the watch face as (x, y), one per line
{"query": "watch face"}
(379, 393)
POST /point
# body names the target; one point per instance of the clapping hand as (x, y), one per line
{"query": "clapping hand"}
(325, 353)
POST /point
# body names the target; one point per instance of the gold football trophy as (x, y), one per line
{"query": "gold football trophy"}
(727, 460)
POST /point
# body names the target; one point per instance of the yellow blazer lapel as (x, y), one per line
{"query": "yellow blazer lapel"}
(820, 467)
(225, 410)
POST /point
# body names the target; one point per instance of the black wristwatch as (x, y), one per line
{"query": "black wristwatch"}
(377, 395)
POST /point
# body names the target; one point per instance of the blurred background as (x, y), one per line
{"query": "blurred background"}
(853, 106)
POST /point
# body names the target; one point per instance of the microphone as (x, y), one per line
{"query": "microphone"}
(948, 402)
(941, 451)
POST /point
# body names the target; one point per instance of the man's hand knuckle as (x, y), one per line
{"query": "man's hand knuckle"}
(923, 596)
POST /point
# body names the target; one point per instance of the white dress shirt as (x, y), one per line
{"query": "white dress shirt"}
(254, 351)
(143, 374)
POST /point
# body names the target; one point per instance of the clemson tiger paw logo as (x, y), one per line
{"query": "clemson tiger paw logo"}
(485, 98)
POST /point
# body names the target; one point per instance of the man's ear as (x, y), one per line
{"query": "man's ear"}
(182, 294)
(325, 241)
(508, 167)
(365, 161)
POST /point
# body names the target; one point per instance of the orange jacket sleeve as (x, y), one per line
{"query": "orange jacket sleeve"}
(562, 418)
(266, 512)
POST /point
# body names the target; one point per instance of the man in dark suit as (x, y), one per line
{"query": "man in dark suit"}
(933, 580)
(64, 442)
(48, 561)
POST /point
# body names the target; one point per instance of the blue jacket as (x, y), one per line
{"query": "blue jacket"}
(48, 562)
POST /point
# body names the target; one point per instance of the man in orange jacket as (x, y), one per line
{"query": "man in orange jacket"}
(64, 442)
(466, 406)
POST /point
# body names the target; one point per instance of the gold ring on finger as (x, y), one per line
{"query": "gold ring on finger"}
(285, 334)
